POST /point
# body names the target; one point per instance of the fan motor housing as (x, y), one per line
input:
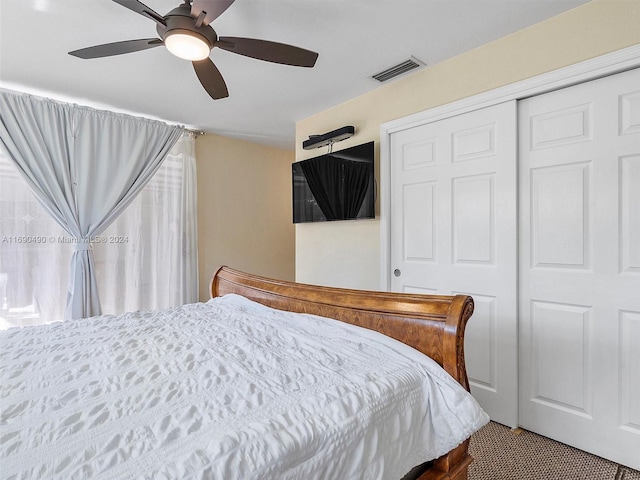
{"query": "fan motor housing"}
(179, 20)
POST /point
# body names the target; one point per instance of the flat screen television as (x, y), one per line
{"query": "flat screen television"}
(335, 186)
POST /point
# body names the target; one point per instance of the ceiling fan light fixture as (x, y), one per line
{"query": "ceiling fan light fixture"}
(186, 32)
(187, 45)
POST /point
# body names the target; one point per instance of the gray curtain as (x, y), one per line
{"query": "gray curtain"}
(84, 166)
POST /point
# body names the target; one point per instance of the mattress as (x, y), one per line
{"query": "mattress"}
(227, 389)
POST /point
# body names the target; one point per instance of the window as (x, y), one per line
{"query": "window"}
(146, 259)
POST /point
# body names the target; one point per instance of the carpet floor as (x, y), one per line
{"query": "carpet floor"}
(500, 454)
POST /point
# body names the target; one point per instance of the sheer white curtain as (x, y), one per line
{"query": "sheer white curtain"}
(34, 265)
(146, 259)
(151, 250)
(85, 166)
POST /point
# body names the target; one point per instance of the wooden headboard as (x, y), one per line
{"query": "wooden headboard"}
(432, 324)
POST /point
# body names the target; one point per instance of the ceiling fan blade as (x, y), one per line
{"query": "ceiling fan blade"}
(269, 51)
(116, 48)
(143, 10)
(213, 9)
(211, 79)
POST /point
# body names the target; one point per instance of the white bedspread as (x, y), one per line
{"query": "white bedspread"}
(223, 390)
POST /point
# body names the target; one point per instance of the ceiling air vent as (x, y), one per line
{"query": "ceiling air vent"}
(411, 64)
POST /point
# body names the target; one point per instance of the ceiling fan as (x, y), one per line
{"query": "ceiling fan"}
(187, 33)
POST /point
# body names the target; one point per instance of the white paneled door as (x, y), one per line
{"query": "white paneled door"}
(579, 153)
(453, 230)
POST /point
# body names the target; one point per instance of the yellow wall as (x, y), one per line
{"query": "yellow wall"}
(244, 209)
(348, 253)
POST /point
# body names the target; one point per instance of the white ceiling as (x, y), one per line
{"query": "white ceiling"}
(354, 39)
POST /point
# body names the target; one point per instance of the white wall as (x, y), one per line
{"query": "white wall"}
(338, 253)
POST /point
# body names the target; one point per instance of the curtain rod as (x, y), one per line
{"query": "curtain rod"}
(20, 90)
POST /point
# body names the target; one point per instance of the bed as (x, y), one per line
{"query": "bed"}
(217, 390)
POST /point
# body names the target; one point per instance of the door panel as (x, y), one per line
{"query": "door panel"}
(553, 326)
(473, 223)
(579, 152)
(453, 230)
(560, 216)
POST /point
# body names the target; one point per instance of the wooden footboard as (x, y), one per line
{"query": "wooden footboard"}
(432, 324)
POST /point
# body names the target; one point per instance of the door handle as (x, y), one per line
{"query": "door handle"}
(397, 272)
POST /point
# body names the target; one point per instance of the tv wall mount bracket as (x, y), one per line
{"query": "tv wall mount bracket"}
(329, 138)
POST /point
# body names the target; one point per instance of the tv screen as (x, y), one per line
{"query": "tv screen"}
(335, 186)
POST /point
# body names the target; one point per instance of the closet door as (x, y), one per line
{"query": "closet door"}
(453, 230)
(580, 266)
